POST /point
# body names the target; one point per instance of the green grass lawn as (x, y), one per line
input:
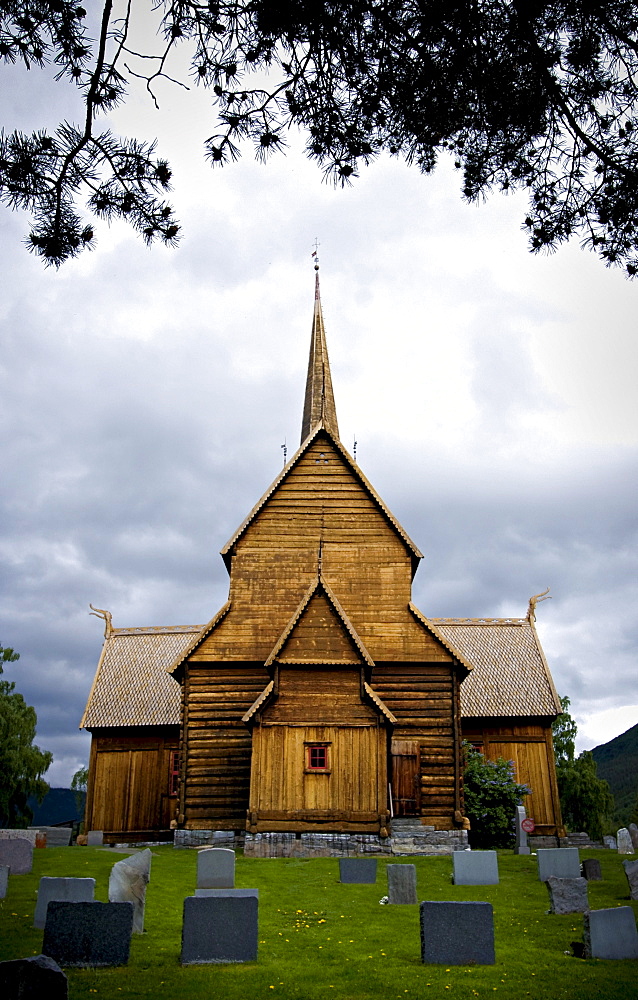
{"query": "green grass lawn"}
(320, 940)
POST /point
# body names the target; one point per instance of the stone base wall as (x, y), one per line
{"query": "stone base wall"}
(325, 845)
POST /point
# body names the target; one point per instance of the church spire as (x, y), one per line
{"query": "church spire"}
(319, 404)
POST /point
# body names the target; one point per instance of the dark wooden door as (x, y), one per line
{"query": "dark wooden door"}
(406, 777)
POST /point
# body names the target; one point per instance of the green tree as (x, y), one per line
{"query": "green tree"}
(79, 782)
(586, 801)
(22, 764)
(539, 96)
(491, 795)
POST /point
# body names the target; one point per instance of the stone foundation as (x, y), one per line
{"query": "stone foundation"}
(424, 840)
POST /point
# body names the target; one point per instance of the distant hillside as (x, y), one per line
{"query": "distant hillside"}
(58, 806)
(617, 763)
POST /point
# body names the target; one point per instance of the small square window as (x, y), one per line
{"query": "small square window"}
(317, 757)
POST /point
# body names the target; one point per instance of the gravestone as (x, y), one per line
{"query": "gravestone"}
(127, 884)
(227, 892)
(358, 871)
(521, 846)
(633, 833)
(57, 836)
(610, 843)
(88, 934)
(567, 895)
(401, 883)
(17, 853)
(69, 890)
(631, 871)
(591, 870)
(95, 838)
(216, 868)
(475, 867)
(457, 933)
(32, 979)
(623, 838)
(4, 880)
(31, 834)
(610, 933)
(220, 928)
(561, 862)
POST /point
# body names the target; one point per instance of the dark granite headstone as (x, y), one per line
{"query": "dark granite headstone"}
(358, 871)
(457, 933)
(401, 883)
(35, 978)
(610, 933)
(560, 862)
(631, 871)
(4, 880)
(567, 895)
(591, 870)
(17, 853)
(475, 867)
(220, 928)
(88, 934)
(69, 890)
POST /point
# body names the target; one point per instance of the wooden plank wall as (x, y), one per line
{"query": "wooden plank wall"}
(216, 746)
(129, 783)
(422, 697)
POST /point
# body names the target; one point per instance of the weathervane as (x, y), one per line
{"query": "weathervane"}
(315, 254)
(354, 448)
(285, 451)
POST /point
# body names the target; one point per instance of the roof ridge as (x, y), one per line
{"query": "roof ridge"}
(152, 629)
(480, 621)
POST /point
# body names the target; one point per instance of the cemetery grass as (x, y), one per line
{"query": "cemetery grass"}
(321, 940)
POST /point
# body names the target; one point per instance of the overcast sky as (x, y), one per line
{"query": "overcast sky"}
(145, 396)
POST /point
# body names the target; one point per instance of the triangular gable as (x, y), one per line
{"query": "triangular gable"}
(415, 554)
(436, 634)
(333, 639)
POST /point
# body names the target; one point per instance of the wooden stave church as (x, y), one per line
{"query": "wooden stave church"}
(319, 698)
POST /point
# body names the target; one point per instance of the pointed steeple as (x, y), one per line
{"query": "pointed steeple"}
(319, 404)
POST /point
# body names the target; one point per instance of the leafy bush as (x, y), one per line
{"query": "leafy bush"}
(491, 797)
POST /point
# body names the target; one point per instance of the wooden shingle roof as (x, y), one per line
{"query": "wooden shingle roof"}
(510, 675)
(132, 686)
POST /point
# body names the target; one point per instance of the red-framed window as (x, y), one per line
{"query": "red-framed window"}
(173, 772)
(318, 757)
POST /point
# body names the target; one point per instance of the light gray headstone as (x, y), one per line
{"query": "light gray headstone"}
(358, 871)
(610, 843)
(4, 880)
(216, 868)
(631, 871)
(401, 883)
(521, 846)
(567, 895)
(57, 836)
(475, 867)
(561, 862)
(32, 979)
(623, 839)
(88, 934)
(30, 834)
(219, 929)
(95, 838)
(17, 853)
(127, 884)
(457, 933)
(610, 933)
(80, 890)
(633, 833)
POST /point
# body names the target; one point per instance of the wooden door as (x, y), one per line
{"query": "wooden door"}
(406, 777)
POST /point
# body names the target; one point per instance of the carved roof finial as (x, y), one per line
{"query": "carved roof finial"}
(319, 404)
(106, 615)
(533, 601)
